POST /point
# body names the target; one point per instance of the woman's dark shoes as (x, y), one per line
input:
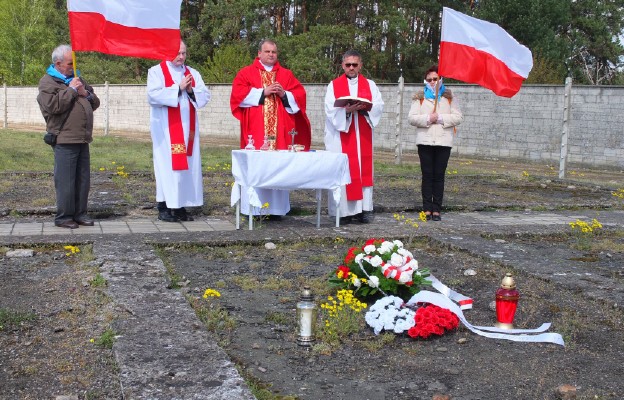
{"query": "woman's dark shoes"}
(165, 215)
(67, 224)
(436, 217)
(85, 222)
(181, 214)
(428, 216)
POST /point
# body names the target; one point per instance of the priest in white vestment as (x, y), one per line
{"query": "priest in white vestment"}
(349, 130)
(175, 92)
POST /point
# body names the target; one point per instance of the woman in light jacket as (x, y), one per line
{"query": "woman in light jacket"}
(435, 127)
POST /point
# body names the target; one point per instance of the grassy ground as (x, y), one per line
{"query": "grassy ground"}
(29, 153)
(122, 181)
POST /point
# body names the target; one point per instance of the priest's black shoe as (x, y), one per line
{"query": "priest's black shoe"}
(346, 220)
(165, 215)
(436, 217)
(181, 214)
(366, 217)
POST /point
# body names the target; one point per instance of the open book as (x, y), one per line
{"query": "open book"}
(348, 100)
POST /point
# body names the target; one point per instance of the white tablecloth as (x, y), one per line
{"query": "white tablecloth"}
(287, 170)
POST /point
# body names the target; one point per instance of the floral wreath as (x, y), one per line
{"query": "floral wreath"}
(385, 271)
(380, 268)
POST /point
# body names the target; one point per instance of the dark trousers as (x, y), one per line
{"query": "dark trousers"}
(433, 162)
(72, 180)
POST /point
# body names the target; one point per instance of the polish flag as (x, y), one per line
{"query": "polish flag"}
(131, 28)
(477, 51)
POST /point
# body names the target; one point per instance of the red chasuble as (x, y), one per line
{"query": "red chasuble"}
(179, 151)
(272, 117)
(348, 139)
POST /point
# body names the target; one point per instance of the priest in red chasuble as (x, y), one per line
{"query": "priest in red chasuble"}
(349, 129)
(268, 100)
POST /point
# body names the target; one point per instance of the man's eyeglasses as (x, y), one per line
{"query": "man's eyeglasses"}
(432, 79)
(349, 65)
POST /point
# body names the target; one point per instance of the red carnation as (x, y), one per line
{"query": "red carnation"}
(342, 272)
(432, 320)
(350, 257)
(373, 241)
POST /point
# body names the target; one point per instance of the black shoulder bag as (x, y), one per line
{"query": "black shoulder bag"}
(49, 137)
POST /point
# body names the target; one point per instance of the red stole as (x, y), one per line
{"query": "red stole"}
(348, 139)
(179, 151)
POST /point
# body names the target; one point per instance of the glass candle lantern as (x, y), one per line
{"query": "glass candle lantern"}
(506, 302)
(306, 317)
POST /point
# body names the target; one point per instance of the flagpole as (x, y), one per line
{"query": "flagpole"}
(437, 90)
(74, 62)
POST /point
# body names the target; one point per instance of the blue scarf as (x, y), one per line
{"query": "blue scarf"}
(429, 94)
(55, 74)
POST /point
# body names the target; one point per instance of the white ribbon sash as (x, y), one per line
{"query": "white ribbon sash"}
(516, 335)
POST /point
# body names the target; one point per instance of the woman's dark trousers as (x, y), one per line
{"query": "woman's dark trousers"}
(433, 163)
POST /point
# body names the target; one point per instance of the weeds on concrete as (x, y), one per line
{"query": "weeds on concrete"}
(175, 280)
(106, 339)
(379, 342)
(341, 317)
(14, 319)
(260, 390)
(98, 281)
(212, 314)
(584, 232)
(278, 318)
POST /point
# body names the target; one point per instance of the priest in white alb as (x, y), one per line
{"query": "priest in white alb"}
(175, 92)
(349, 130)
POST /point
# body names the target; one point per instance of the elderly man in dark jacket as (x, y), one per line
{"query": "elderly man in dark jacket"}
(67, 104)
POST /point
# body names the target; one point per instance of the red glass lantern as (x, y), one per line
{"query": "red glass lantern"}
(506, 302)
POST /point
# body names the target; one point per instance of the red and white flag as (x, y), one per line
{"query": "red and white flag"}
(477, 51)
(132, 28)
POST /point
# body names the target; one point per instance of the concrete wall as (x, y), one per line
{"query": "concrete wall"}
(527, 126)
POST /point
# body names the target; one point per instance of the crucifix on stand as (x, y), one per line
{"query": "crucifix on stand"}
(292, 134)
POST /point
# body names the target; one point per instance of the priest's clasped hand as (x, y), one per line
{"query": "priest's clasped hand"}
(274, 88)
(187, 83)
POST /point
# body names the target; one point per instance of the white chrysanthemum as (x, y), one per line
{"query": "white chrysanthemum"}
(383, 250)
(405, 277)
(413, 264)
(359, 257)
(398, 243)
(405, 322)
(373, 281)
(387, 245)
(405, 253)
(397, 260)
(387, 314)
(370, 249)
(357, 283)
(375, 261)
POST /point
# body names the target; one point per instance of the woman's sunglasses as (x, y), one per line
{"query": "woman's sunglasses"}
(432, 79)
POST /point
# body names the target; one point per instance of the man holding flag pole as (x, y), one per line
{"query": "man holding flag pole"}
(152, 30)
(67, 104)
